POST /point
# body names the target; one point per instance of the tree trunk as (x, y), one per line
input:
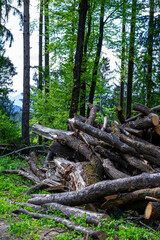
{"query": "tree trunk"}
(150, 53)
(131, 59)
(99, 190)
(46, 9)
(84, 67)
(83, 6)
(123, 56)
(98, 53)
(26, 75)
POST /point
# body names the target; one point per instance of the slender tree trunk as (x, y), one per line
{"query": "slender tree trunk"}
(46, 47)
(98, 53)
(40, 84)
(26, 75)
(123, 56)
(131, 60)
(78, 58)
(40, 45)
(84, 66)
(150, 53)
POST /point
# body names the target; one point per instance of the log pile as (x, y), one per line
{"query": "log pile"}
(117, 165)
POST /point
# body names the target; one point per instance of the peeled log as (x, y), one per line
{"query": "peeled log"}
(99, 190)
(91, 217)
(152, 210)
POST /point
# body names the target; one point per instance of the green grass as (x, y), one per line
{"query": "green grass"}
(12, 188)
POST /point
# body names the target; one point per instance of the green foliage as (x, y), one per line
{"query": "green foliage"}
(8, 130)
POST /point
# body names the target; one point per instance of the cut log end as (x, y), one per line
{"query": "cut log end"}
(155, 120)
(148, 211)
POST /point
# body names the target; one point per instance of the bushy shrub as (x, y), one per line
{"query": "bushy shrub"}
(9, 132)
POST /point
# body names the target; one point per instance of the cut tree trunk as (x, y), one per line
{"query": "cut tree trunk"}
(99, 190)
(152, 120)
(130, 197)
(91, 232)
(152, 210)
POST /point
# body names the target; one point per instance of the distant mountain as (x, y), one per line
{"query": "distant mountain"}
(16, 108)
(17, 100)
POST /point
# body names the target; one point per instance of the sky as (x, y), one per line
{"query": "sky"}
(15, 52)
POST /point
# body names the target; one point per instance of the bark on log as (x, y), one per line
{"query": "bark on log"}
(91, 217)
(48, 133)
(91, 232)
(141, 108)
(133, 131)
(96, 191)
(109, 138)
(145, 110)
(36, 170)
(130, 197)
(137, 163)
(111, 171)
(120, 115)
(24, 174)
(142, 148)
(92, 114)
(152, 210)
(152, 120)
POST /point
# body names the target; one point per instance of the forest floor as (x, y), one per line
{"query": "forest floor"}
(12, 226)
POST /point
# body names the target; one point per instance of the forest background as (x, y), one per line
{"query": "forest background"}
(73, 68)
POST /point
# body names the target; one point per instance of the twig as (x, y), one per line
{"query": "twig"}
(146, 226)
(152, 198)
(19, 150)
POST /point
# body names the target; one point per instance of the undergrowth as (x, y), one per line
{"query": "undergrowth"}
(13, 188)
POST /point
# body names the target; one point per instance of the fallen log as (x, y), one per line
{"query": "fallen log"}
(130, 197)
(110, 138)
(152, 210)
(142, 148)
(91, 217)
(152, 120)
(48, 133)
(99, 190)
(91, 232)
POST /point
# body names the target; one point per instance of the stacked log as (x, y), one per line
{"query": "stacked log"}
(112, 165)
